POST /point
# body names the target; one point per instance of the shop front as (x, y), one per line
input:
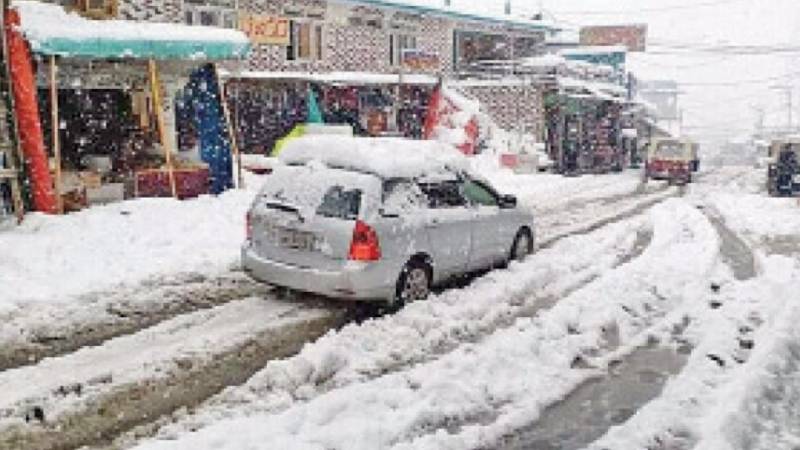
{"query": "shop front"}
(138, 107)
(268, 106)
(583, 132)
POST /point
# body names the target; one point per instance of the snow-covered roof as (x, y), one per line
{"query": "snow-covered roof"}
(435, 8)
(358, 78)
(549, 60)
(594, 50)
(384, 157)
(51, 30)
(605, 91)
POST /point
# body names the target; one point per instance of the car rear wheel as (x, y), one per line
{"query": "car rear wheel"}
(522, 246)
(414, 283)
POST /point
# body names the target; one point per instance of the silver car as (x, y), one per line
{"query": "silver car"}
(358, 235)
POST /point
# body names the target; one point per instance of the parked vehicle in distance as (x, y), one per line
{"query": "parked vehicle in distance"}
(783, 168)
(671, 159)
(378, 219)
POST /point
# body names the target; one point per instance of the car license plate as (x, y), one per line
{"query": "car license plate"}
(288, 238)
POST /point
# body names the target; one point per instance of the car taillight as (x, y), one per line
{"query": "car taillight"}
(248, 224)
(365, 245)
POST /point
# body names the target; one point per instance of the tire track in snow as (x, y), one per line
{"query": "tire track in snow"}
(595, 217)
(59, 329)
(91, 396)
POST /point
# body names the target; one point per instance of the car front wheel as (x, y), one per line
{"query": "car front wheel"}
(522, 246)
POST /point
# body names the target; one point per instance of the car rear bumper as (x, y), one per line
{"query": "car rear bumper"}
(668, 174)
(355, 281)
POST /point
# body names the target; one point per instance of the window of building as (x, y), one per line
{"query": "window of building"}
(212, 13)
(305, 41)
(96, 9)
(399, 43)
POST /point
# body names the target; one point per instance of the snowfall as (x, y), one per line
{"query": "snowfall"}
(711, 272)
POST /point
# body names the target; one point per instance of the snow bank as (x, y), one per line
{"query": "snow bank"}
(385, 157)
(757, 215)
(52, 259)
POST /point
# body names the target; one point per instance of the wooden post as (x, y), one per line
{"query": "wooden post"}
(223, 98)
(155, 87)
(54, 130)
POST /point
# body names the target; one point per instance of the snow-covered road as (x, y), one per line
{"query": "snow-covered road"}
(589, 305)
(138, 314)
(623, 271)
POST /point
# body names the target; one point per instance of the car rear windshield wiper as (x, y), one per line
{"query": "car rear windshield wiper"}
(285, 207)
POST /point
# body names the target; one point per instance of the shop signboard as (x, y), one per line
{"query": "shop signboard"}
(634, 37)
(268, 30)
(419, 60)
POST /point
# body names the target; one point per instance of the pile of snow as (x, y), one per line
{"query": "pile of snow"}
(41, 22)
(51, 259)
(384, 157)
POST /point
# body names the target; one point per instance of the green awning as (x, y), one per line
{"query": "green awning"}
(141, 49)
(51, 30)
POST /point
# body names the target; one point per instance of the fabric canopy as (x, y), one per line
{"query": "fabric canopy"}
(140, 49)
(51, 30)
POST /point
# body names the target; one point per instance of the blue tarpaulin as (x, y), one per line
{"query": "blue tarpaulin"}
(203, 97)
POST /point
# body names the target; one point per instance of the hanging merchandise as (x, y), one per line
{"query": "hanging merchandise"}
(215, 146)
(314, 113)
(411, 114)
(341, 107)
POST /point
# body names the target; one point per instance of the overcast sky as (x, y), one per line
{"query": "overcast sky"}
(722, 91)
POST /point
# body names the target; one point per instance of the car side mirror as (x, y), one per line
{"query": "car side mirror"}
(508, 202)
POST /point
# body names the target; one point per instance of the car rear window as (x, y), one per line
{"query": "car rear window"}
(319, 191)
(340, 203)
(670, 149)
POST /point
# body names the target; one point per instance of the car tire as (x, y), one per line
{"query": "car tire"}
(414, 283)
(522, 246)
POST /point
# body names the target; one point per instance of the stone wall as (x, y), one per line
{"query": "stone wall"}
(151, 10)
(512, 107)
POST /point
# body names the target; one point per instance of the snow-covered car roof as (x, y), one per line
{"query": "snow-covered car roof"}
(385, 157)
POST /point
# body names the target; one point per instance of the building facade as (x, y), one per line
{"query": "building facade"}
(308, 37)
(346, 35)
